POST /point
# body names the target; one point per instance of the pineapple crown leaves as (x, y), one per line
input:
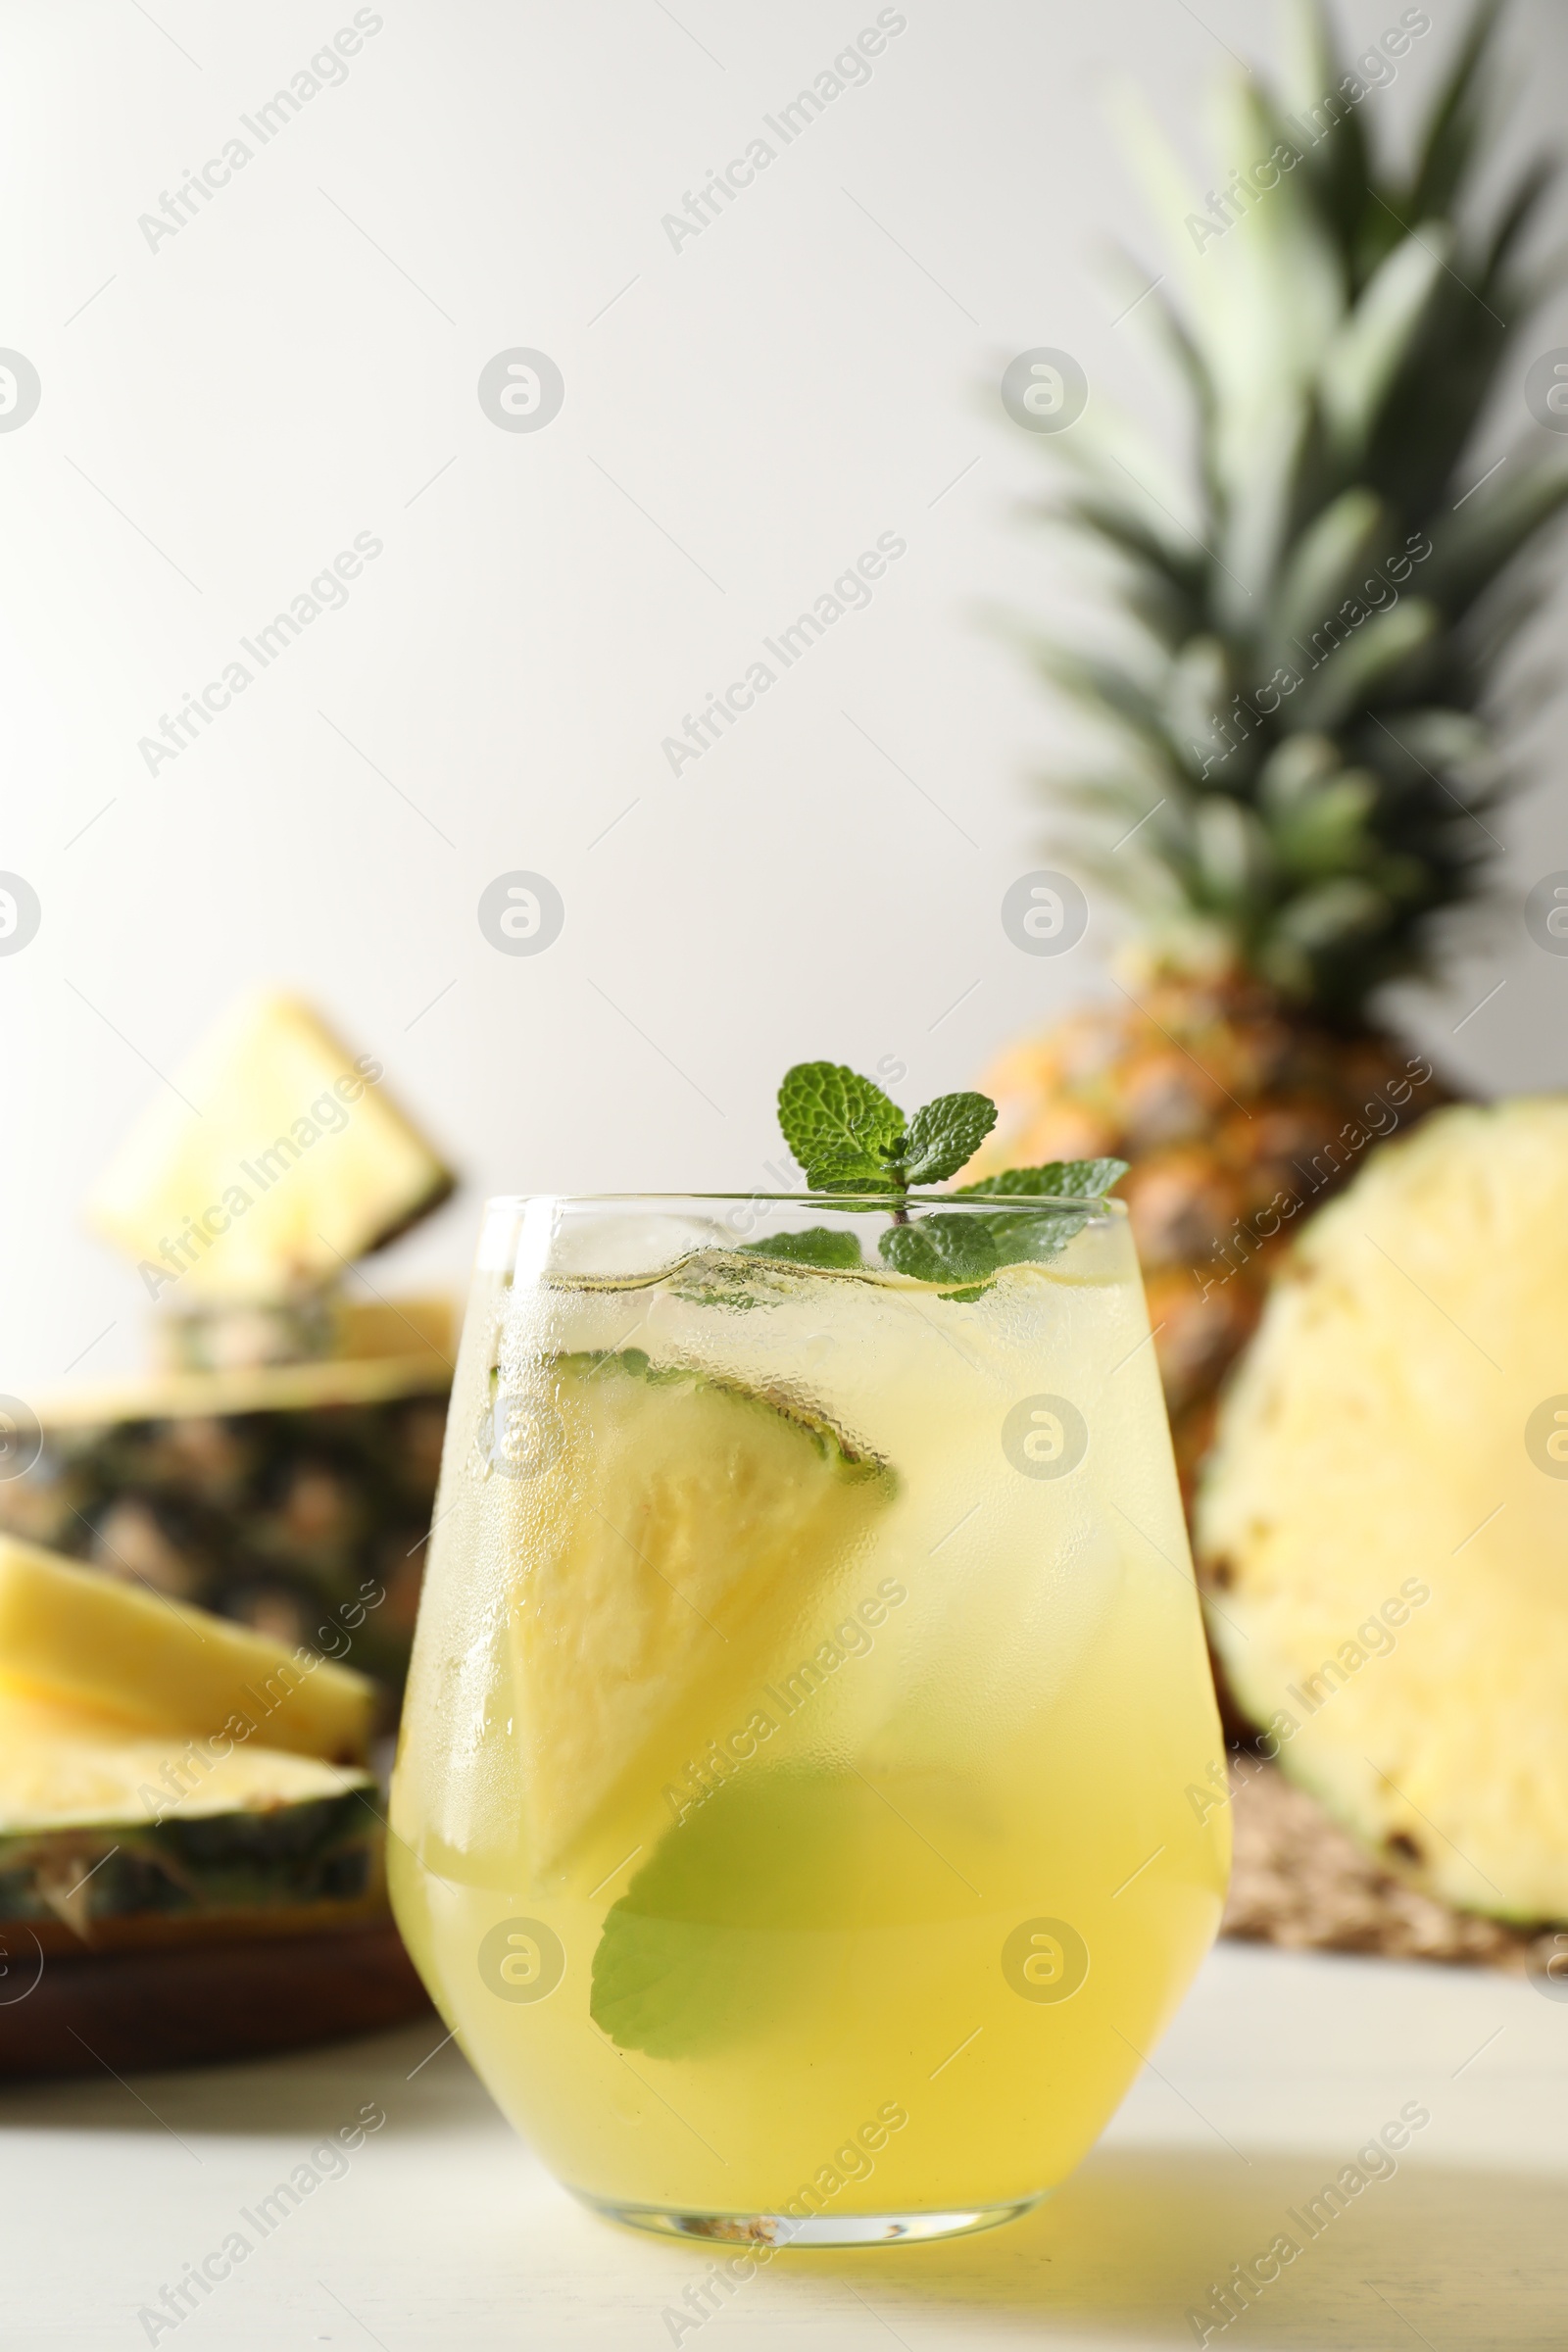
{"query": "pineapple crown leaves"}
(851, 1138)
(1322, 601)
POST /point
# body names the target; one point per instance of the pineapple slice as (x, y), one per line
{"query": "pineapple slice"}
(155, 1666)
(279, 1159)
(1384, 1524)
(107, 1841)
(676, 1523)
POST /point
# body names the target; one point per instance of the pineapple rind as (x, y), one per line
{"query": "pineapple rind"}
(1372, 1451)
(105, 1838)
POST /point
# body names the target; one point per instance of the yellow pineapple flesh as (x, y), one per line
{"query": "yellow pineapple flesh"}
(1383, 1526)
(278, 1162)
(98, 1642)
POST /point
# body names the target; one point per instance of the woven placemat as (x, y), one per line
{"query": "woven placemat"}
(1301, 1881)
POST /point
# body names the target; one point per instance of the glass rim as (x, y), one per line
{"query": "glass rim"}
(988, 1204)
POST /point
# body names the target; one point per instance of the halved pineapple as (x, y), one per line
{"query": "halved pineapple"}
(1383, 1528)
(279, 1161)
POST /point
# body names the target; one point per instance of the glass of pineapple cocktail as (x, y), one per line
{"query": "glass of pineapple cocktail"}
(793, 1815)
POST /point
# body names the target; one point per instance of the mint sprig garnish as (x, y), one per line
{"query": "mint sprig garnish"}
(842, 1128)
(945, 1137)
(851, 1138)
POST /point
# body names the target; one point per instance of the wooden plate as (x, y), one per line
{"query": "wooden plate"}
(191, 2007)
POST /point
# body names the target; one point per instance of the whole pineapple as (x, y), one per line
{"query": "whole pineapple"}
(1313, 623)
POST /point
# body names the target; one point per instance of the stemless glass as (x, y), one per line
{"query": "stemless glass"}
(809, 1795)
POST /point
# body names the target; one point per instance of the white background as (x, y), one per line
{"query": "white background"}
(222, 414)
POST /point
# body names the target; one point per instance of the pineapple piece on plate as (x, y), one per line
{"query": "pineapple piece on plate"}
(108, 1841)
(292, 1162)
(1383, 1531)
(96, 1641)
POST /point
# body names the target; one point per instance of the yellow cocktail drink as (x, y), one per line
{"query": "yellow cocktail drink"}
(796, 1813)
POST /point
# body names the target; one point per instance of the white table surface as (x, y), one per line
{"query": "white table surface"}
(445, 2232)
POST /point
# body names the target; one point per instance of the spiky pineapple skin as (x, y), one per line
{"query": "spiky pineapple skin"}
(1238, 1116)
(284, 1869)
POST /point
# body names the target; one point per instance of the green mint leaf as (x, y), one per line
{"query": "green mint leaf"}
(1058, 1179)
(718, 1935)
(1023, 1239)
(818, 1245)
(842, 1129)
(847, 1172)
(945, 1137)
(1019, 1238)
(942, 1248)
(703, 1949)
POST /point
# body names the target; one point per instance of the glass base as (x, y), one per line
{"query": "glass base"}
(775, 2231)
